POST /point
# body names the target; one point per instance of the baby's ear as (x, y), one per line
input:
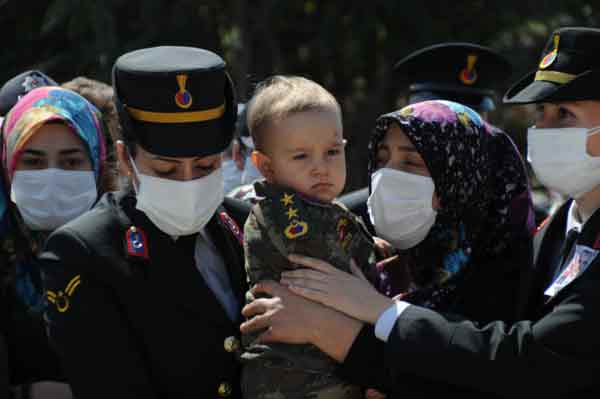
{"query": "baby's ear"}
(263, 164)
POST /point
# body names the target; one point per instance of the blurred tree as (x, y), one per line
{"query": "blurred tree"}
(349, 47)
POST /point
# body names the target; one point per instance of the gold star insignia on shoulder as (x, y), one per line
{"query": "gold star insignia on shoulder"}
(292, 213)
(61, 298)
(288, 199)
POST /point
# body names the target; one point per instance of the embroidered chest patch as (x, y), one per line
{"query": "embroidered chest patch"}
(61, 298)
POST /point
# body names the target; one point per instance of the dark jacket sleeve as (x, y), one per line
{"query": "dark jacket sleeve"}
(552, 357)
(4, 385)
(96, 344)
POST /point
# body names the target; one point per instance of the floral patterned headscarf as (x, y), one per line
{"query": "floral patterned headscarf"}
(481, 184)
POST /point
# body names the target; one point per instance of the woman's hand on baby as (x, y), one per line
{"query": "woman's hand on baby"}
(284, 317)
(287, 317)
(349, 293)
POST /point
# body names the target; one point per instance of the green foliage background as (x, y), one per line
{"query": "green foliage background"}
(348, 46)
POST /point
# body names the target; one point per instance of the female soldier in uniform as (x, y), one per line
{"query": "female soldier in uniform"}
(145, 289)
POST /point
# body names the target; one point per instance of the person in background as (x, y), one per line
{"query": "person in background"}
(101, 96)
(54, 162)
(243, 146)
(234, 156)
(18, 86)
(553, 351)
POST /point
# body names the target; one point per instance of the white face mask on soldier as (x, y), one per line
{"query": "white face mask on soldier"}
(179, 208)
(560, 160)
(400, 207)
(49, 198)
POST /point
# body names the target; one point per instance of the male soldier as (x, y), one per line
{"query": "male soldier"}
(464, 73)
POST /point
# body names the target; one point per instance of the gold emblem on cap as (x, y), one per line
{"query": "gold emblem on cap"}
(551, 56)
(183, 98)
(468, 75)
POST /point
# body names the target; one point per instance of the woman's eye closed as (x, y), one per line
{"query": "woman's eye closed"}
(164, 173)
(206, 169)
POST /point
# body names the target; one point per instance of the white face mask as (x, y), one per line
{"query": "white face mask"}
(49, 198)
(560, 160)
(400, 207)
(179, 208)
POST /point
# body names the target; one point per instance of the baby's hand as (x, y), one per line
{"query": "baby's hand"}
(374, 394)
(384, 248)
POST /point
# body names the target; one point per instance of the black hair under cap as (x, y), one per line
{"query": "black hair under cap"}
(175, 101)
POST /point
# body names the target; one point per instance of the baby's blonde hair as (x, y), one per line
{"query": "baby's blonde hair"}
(280, 96)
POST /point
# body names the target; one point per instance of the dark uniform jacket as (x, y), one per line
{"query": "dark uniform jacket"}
(555, 353)
(131, 326)
(4, 387)
(25, 354)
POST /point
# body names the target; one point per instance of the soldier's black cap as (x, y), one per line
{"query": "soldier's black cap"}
(461, 72)
(175, 101)
(20, 85)
(569, 70)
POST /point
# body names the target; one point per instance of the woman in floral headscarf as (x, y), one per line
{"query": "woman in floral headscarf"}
(451, 195)
(467, 243)
(53, 162)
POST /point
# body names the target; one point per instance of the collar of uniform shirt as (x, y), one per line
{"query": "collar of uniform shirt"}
(574, 220)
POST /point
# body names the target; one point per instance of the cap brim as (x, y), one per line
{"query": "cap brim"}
(527, 90)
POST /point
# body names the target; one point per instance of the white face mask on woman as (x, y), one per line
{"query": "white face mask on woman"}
(49, 198)
(400, 207)
(560, 160)
(179, 208)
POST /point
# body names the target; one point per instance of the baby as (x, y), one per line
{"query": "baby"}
(296, 126)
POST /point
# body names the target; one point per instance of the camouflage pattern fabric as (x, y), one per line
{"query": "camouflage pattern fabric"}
(281, 223)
